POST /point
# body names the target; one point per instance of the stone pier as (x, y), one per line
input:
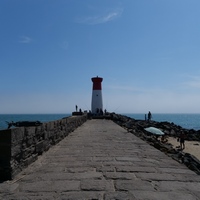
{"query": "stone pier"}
(101, 160)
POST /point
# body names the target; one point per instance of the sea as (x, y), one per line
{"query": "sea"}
(4, 118)
(188, 121)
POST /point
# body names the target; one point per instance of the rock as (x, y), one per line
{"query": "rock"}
(137, 128)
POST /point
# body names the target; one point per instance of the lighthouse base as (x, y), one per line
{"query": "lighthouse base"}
(101, 117)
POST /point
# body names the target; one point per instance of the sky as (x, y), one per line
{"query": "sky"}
(146, 51)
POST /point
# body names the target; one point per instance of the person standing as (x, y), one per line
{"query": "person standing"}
(182, 140)
(149, 116)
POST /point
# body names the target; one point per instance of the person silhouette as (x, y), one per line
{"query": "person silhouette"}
(182, 140)
(149, 116)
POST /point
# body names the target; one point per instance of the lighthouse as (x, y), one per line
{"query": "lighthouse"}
(97, 102)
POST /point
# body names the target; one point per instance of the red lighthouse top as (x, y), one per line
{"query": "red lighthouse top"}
(97, 83)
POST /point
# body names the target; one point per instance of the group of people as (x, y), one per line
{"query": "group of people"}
(99, 111)
(77, 109)
(181, 138)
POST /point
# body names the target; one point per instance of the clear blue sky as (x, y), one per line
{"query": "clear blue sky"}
(147, 51)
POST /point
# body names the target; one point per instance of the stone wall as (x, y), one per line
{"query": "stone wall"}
(19, 147)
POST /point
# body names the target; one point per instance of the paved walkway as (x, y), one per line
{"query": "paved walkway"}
(100, 160)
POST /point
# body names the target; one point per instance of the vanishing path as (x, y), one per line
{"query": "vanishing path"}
(101, 160)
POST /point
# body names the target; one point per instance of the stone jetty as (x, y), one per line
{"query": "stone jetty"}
(102, 160)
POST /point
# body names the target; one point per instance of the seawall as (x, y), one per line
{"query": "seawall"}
(19, 147)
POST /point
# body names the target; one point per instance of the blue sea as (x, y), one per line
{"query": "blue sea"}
(189, 121)
(28, 117)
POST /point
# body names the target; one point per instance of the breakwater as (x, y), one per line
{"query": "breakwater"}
(19, 147)
(137, 127)
(169, 128)
(101, 160)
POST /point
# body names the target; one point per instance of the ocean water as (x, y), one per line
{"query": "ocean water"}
(188, 121)
(28, 117)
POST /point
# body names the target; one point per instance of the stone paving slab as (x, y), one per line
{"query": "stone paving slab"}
(101, 160)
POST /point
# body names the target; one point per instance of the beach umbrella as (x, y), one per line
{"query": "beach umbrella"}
(154, 131)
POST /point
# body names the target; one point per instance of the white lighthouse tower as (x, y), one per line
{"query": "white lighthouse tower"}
(97, 102)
